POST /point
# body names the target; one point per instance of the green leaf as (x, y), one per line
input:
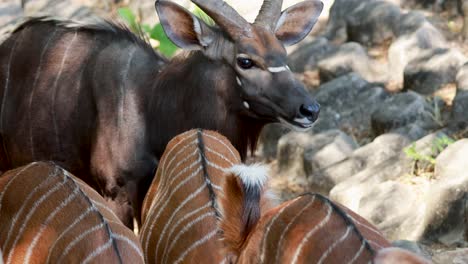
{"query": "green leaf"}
(166, 46)
(128, 16)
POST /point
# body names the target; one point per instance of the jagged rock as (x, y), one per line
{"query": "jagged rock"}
(10, 15)
(459, 117)
(351, 57)
(410, 207)
(307, 56)
(400, 110)
(432, 69)
(364, 161)
(347, 103)
(373, 23)
(462, 78)
(447, 199)
(415, 35)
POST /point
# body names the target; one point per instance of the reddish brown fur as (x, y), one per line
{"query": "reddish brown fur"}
(164, 222)
(268, 243)
(242, 208)
(42, 188)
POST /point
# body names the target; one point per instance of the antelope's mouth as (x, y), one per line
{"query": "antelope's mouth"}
(297, 124)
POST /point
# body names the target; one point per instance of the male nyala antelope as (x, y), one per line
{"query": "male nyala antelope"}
(181, 212)
(100, 102)
(49, 216)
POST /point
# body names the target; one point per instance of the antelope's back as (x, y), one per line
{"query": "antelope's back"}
(312, 229)
(179, 211)
(49, 216)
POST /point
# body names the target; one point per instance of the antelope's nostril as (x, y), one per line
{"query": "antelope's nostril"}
(311, 111)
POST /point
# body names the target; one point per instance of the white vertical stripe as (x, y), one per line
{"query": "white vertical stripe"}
(78, 239)
(131, 243)
(12, 179)
(334, 245)
(183, 231)
(33, 89)
(312, 232)
(229, 148)
(363, 243)
(166, 199)
(174, 212)
(281, 240)
(55, 92)
(161, 196)
(168, 154)
(30, 214)
(46, 223)
(219, 155)
(120, 122)
(7, 78)
(70, 227)
(267, 229)
(98, 251)
(195, 245)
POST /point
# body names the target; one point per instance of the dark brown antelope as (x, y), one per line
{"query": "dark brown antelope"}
(97, 99)
(180, 211)
(313, 229)
(49, 216)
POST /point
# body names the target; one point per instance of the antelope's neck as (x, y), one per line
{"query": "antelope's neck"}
(196, 92)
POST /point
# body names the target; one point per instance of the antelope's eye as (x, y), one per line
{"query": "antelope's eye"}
(245, 63)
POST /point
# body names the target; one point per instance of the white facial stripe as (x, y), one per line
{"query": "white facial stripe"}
(278, 69)
(246, 105)
(238, 81)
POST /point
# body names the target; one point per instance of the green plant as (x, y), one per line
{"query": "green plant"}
(424, 163)
(155, 33)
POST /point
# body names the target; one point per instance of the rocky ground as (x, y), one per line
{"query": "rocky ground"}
(391, 141)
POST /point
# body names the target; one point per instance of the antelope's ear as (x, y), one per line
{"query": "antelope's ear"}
(297, 21)
(182, 27)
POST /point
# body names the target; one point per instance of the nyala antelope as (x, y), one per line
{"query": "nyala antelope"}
(313, 229)
(49, 216)
(181, 209)
(100, 102)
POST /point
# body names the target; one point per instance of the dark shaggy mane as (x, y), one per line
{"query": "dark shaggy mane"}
(116, 28)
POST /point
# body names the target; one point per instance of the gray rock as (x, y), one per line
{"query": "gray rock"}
(447, 199)
(316, 160)
(339, 12)
(400, 110)
(412, 246)
(307, 56)
(268, 141)
(415, 35)
(459, 117)
(432, 69)
(293, 146)
(347, 103)
(462, 78)
(383, 152)
(10, 15)
(458, 256)
(351, 57)
(373, 23)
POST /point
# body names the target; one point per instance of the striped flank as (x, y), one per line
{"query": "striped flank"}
(180, 211)
(49, 216)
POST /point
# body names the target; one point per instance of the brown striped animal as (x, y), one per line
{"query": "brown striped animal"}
(101, 103)
(49, 216)
(181, 212)
(313, 229)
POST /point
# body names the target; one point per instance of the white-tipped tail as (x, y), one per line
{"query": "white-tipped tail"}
(254, 175)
